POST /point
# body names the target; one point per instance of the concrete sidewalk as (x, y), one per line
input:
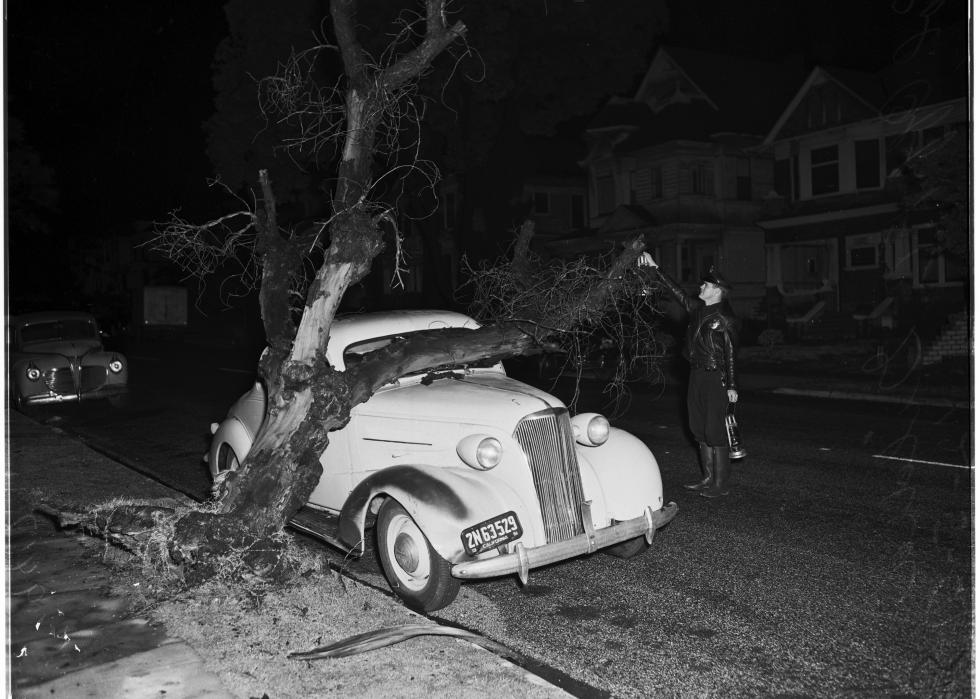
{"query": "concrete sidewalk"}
(68, 634)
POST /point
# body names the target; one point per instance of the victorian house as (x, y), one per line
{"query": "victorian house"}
(680, 163)
(842, 243)
(788, 181)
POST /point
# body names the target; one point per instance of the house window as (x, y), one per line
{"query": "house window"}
(862, 251)
(933, 264)
(605, 194)
(824, 176)
(634, 188)
(657, 182)
(697, 257)
(781, 180)
(898, 148)
(866, 164)
(743, 179)
(542, 203)
(577, 214)
(697, 178)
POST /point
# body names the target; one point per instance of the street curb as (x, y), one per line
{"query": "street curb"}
(874, 397)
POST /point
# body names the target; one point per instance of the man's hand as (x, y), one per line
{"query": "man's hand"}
(646, 260)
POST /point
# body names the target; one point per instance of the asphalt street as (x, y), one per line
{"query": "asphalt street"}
(842, 559)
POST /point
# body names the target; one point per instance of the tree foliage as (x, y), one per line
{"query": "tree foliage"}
(937, 178)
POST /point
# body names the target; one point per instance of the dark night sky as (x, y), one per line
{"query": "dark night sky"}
(113, 93)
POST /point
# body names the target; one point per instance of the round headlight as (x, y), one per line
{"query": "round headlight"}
(489, 452)
(480, 451)
(115, 365)
(590, 429)
(598, 430)
(33, 373)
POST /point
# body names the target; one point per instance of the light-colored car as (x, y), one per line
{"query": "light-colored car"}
(463, 472)
(57, 357)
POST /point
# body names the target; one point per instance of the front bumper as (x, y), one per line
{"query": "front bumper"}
(523, 559)
(51, 397)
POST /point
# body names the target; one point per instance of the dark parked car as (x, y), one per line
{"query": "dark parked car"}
(56, 357)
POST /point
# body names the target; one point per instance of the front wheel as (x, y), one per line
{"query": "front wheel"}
(227, 459)
(120, 401)
(416, 573)
(629, 548)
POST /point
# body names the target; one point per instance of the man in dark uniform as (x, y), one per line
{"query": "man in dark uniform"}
(710, 348)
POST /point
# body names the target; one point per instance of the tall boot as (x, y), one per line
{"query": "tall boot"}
(706, 457)
(722, 462)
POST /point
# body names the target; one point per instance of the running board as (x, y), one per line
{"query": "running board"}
(321, 524)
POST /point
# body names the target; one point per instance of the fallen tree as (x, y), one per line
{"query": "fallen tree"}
(307, 398)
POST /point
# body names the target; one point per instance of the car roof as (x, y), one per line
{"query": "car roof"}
(346, 330)
(49, 316)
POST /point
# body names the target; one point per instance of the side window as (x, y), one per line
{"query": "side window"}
(577, 211)
(657, 182)
(355, 352)
(824, 175)
(743, 179)
(605, 194)
(867, 168)
(542, 203)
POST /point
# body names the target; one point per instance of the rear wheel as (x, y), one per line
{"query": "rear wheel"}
(416, 573)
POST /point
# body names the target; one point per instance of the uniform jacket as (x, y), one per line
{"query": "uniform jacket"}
(709, 341)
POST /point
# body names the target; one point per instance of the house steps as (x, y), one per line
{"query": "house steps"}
(953, 340)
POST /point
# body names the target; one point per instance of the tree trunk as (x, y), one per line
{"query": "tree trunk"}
(307, 398)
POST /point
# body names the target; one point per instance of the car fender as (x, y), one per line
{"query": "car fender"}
(238, 430)
(44, 362)
(102, 358)
(442, 501)
(235, 434)
(626, 473)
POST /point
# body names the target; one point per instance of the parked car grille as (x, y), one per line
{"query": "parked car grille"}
(546, 438)
(60, 381)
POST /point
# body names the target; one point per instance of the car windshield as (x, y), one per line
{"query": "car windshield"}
(72, 329)
(356, 352)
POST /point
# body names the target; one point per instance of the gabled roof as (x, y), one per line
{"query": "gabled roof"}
(935, 74)
(721, 94)
(689, 122)
(862, 88)
(746, 91)
(619, 113)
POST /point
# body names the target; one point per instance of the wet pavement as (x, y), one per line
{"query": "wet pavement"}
(69, 635)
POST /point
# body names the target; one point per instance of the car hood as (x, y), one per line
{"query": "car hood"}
(67, 348)
(481, 398)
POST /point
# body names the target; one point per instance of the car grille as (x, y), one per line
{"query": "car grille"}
(546, 438)
(62, 381)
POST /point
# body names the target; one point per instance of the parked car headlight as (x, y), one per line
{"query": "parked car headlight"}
(33, 373)
(480, 451)
(115, 365)
(590, 429)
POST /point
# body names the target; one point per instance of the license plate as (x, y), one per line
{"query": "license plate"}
(491, 533)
